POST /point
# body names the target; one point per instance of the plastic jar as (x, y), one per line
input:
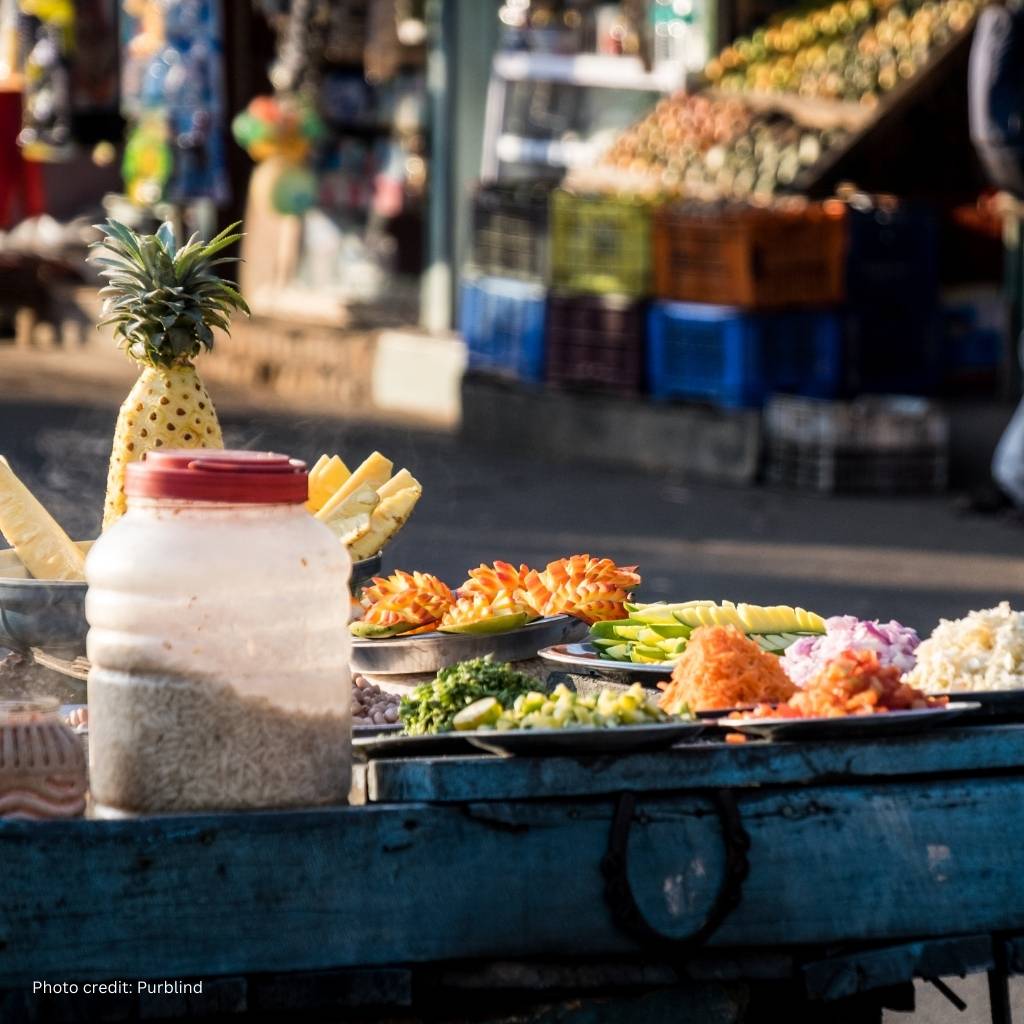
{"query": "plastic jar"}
(218, 610)
(42, 762)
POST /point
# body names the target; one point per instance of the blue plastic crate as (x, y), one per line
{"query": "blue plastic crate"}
(732, 358)
(502, 321)
(894, 350)
(892, 257)
(975, 330)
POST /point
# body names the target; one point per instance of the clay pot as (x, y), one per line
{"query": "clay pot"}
(43, 770)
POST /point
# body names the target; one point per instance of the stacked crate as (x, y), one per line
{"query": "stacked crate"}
(600, 282)
(726, 303)
(503, 294)
(746, 303)
(557, 287)
(874, 444)
(893, 324)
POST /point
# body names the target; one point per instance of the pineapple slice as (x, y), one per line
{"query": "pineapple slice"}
(399, 482)
(325, 479)
(373, 473)
(365, 499)
(45, 550)
(388, 518)
(350, 528)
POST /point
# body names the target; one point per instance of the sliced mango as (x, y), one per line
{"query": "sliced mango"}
(491, 626)
(372, 631)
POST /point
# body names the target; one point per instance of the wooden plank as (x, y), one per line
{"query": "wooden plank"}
(229, 894)
(810, 111)
(698, 766)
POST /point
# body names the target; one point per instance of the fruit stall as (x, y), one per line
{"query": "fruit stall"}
(298, 780)
(779, 232)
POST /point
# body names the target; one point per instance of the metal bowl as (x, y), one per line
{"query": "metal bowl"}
(362, 572)
(51, 614)
(40, 613)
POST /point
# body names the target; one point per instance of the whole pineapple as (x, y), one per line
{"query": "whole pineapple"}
(164, 302)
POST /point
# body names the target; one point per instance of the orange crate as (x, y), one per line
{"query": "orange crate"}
(749, 257)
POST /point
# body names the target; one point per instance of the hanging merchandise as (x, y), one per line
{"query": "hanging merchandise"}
(94, 73)
(283, 129)
(10, 65)
(296, 44)
(172, 92)
(147, 161)
(47, 29)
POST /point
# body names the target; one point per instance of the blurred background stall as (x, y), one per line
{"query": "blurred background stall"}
(628, 222)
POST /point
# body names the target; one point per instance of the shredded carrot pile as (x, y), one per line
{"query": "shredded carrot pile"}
(721, 668)
(854, 683)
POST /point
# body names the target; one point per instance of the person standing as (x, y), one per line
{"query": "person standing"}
(996, 109)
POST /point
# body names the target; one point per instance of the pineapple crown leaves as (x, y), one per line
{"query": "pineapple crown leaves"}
(164, 301)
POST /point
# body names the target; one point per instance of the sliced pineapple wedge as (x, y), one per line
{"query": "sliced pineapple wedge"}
(45, 550)
(399, 482)
(388, 518)
(373, 473)
(325, 480)
(350, 528)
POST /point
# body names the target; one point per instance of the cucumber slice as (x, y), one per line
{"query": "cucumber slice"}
(620, 652)
(648, 655)
(485, 711)
(670, 631)
(606, 630)
(630, 632)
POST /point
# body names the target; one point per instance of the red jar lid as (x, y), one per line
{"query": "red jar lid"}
(236, 477)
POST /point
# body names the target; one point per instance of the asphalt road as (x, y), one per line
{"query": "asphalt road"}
(915, 560)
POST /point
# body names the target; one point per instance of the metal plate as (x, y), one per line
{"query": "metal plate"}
(584, 742)
(584, 659)
(366, 730)
(848, 725)
(430, 652)
(445, 744)
(995, 705)
(987, 698)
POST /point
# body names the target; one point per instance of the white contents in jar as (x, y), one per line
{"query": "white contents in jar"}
(185, 744)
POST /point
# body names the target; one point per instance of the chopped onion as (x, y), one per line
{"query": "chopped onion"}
(894, 643)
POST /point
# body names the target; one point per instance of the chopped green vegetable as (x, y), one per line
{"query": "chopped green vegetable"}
(432, 706)
(563, 708)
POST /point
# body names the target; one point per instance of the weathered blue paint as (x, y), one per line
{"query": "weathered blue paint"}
(242, 893)
(847, 975)
(939, 754)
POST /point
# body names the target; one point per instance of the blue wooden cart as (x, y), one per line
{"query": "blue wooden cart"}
(711, 882)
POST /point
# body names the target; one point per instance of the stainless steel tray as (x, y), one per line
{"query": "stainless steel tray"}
(584, 659)
(430, 652)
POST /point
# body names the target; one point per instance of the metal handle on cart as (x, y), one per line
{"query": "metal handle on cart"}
(618, 891)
